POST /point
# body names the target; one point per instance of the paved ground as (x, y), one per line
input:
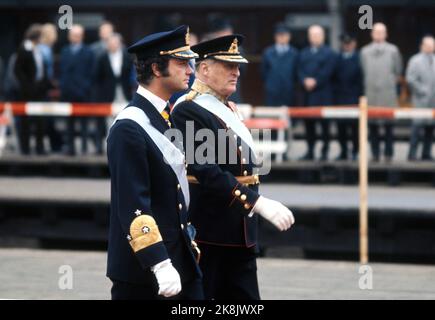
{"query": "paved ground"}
(34, 274)
(293, 195)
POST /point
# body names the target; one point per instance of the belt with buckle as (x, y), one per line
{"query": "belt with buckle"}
(247, 180)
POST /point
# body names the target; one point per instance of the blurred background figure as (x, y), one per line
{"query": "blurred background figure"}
(348, 88)
(279, 69)
(2, 74)
(48, 40)
(382, 67)
(112, 81)
(76, 75)
(217, 26)
(315, 70)
(11, 84)
(104, 31)
(420, 75)
(220, 26)
(33, 85)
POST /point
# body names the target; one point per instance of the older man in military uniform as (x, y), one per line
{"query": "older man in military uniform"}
(224, 189)
(150, 254)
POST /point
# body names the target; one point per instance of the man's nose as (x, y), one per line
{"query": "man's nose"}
(189, 69)
(237, 72)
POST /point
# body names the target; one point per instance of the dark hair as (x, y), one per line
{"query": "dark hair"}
(108, 23)
(144, 68)
(33, 33)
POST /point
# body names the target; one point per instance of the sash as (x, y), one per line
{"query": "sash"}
(171, 153)
(213, 105)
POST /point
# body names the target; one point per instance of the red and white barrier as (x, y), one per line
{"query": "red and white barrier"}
(352, 112)
(64, 109)
(108, 109)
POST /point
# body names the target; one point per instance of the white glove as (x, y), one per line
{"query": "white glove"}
(274, 212)
(167, 278)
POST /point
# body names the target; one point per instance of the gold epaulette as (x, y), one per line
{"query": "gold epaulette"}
(191, 95)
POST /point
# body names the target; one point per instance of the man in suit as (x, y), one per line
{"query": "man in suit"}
(105, 30)
(279, 69)
(76, 74)
(150, 254)
(420, 75)
(316, 67)
(348, 88)
(224, 185)
(112, 79)
(382, 66)
(33, 84)
(48, 40)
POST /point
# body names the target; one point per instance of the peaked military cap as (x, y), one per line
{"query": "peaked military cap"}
(281, 28)
(174, 43)
(347, 38)
(224, 48)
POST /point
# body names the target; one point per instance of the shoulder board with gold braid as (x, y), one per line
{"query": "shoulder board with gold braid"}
(191, 95)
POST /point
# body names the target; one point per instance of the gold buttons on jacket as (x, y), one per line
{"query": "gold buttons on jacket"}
(180, 206)
(182, 226)
(247, 206)
(240, 148)
(237, 193)
(243, 197)
(178, 187)
(245, 173)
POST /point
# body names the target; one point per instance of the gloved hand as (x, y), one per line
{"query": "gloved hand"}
(167, 278)
(274, 212)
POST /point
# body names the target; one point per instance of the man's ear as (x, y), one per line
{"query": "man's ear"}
(205, 68)
(156, 70)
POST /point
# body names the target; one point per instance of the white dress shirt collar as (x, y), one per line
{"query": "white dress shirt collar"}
(115, 59)
(156, 101)
(282, 48)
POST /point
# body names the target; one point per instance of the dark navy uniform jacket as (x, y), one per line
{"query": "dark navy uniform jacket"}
(319, 65)
(220, 205)
(76, 74)
(348, 79)
(141, 180)
(279, 76)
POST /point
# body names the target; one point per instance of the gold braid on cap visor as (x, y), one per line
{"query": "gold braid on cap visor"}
(179, 52)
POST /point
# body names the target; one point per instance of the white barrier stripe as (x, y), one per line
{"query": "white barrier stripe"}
(66, 109)
(117, 107)
(414, 114)
(271, 111)
(341, 113)
(48, 108)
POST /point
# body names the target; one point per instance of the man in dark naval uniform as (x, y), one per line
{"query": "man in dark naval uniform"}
(150, 254)
(348, 87)
(224, 187)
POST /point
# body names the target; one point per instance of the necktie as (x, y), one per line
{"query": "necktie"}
(166, 114)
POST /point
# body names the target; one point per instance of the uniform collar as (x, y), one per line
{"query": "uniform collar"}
(156, 101)
(201, 88)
